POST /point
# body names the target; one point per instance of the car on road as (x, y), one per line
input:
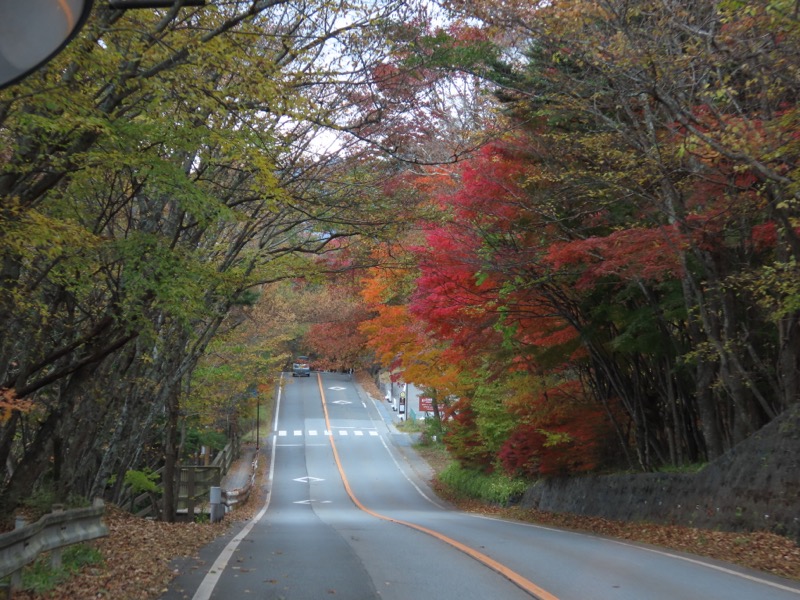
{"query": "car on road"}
(300, 367)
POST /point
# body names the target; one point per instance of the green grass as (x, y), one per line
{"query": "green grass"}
(40, 577)
(409, 426)
(690, 468)
(494, 488)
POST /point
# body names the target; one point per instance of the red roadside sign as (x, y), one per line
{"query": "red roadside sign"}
(425, 404)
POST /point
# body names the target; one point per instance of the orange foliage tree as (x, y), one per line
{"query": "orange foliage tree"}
(401, 342)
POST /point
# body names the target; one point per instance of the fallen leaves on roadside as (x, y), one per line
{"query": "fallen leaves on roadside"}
(762, 551)
(137, 553)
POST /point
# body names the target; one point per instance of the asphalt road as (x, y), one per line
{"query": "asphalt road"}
(350, 516)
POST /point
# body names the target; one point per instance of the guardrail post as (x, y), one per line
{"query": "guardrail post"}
(55, 553)
(16, 577)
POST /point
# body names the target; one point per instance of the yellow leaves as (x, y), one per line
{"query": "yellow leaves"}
(36, 232)
(568, 16)
(266, 180)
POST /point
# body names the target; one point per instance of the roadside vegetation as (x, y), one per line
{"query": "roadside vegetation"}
(40, 577)
(576, 225)
(494, 488)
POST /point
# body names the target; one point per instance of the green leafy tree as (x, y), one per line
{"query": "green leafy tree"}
(158, 171)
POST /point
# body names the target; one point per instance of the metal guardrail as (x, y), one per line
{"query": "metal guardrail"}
(52, 532)
(240, 495)
(61, 528)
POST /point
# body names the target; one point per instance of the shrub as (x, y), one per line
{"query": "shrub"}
(496, 487)
(142, 481)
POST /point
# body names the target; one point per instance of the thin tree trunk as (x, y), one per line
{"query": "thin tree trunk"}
(171, 457)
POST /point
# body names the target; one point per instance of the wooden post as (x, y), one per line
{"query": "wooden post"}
(190, 493)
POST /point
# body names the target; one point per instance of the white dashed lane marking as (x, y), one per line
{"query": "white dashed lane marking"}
(314, 432)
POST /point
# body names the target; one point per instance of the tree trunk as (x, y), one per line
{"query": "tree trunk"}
(8, 432)
(789, 359)
(34, 463)
(171, 456)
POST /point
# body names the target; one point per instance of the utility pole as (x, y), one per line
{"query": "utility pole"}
(258, 422)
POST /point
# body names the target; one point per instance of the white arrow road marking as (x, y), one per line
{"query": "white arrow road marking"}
(341, 402)
(337, 388)
(308, 479)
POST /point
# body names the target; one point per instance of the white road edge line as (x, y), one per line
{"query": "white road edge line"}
(397, 464)
(714, 567)
(695, 561)
(209, 582)
(404, 474)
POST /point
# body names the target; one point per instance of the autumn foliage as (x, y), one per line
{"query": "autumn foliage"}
(576, 224)
(617, 280)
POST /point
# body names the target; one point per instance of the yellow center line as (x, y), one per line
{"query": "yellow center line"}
(520, 581)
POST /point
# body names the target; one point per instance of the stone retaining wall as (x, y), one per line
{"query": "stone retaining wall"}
(754, 487)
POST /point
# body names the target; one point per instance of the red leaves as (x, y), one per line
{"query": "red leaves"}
(490, 188)
(560, 431)
(629, 254)
(764, 236)
(393, 82)
(334, 338)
